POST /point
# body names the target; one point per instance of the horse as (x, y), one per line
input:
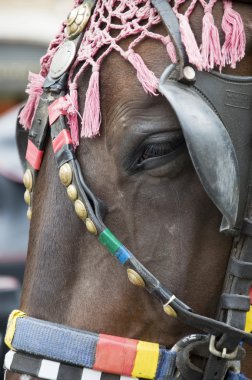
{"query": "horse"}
(160, 211)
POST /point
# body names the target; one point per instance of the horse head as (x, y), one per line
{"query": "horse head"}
(166, 170)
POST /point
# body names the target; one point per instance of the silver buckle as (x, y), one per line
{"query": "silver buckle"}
(224, 354)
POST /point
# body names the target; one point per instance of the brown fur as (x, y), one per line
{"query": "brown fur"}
(166, 219)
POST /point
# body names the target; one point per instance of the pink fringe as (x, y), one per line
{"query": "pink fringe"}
(72, 115)
(170, 48)
(211, 48)
(233, 49)
(145, 76)
(35, 90)
(189, 42)
(92, 112)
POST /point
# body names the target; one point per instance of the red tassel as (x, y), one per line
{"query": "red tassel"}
(145, 76)
(211, 48)
(72, 114)
(92, 113)
(35, 90)
(189, 42)
(233, 49)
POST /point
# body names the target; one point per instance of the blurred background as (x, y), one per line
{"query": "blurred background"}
(26, 28)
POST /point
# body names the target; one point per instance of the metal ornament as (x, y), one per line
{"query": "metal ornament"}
(135, 278)
(27, 197)
(77, 20)
(72, 193)
(170, 311)
(91, 227)
(80, 209)
(29, 213)
(27, 180)
(66, 174)
(62, 59)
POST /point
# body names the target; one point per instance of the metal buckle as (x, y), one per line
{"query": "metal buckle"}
(224, 354)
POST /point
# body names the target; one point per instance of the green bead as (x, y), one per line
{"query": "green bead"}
(109, 240)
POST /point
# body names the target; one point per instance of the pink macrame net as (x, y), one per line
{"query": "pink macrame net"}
(135, 18)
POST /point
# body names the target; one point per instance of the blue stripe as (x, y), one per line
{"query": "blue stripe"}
(166, 365)
(55, 342)
(123, 255)
(236, 376)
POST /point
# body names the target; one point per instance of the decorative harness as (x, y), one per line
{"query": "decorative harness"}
(49, 351)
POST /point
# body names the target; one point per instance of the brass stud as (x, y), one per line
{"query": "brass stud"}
(80, 209)
(168, 309)
(91, 227)
(135, 278)
(29, 213)
(72, 193)
(27, 179)
(73, 28)
(72, 16)
(77, 20)
(27, 197)
(66, 174)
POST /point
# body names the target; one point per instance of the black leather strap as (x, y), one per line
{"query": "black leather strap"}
(171, 22)
(241, 269)
(235, 302)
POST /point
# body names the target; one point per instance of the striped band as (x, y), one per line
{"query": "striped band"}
(62, 139)
(33, 155)
(104, 353)
(52, 370)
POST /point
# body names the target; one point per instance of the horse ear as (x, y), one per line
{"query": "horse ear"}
(209, 145)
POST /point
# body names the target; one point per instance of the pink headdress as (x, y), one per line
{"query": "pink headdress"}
(135, 18)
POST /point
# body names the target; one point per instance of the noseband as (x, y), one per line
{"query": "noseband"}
(209, 128)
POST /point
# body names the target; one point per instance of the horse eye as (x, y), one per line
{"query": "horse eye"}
(154, 150)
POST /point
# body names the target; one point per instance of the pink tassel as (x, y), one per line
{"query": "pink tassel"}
(92, 113)
(189, 42)
(233, 49)
(170, 48)
(146, 77)
(72, 114)
(211, 49)
(35, 90)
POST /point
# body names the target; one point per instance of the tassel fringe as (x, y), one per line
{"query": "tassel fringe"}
(92, 112)
(72, 114)
(233, 49)
(211, 49)
(35, 90)
(145, 76)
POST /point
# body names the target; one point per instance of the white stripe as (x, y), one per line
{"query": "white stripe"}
(49, 370)
(90, 374)
(8, 359)
(127, 378)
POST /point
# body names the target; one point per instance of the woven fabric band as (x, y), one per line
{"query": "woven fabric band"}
(104, 353)
(45, 347)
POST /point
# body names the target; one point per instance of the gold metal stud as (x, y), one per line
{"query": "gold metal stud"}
(91, 227)
(80, 209)
(27, 179)
(135, 278)
(77, 20)
(27, 197)
(29, 213)
(72, 193)
(66, 174)
(168, 309)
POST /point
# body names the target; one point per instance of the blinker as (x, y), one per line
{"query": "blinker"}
(208, 142)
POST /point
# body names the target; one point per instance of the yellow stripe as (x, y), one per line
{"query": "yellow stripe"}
(11, 327)
(146, 361)
(248, 327)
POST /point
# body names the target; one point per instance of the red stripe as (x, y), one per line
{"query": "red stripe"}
(62, 139)
(56, 109)
(115, 355)
(34, 155)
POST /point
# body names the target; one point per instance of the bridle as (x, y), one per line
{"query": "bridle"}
(207, 128)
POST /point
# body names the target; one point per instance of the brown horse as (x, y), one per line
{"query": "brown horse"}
(162, 214)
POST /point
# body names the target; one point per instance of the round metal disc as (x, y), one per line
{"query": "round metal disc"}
(62, 59)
